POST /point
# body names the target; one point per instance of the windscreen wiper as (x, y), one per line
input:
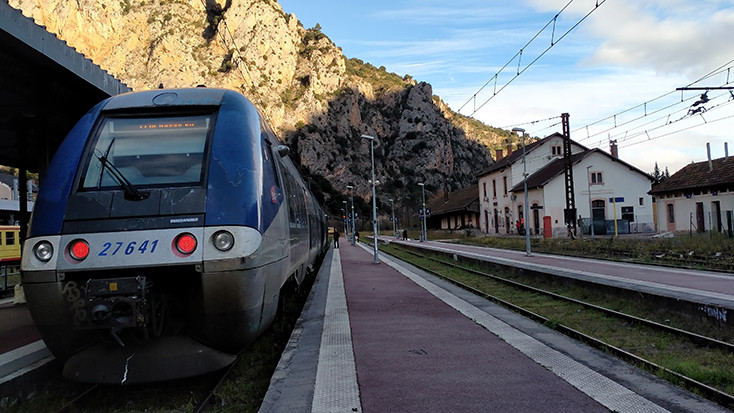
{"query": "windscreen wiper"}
(131, 193)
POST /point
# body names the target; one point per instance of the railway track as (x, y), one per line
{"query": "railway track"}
(239, 387)
(701, 341)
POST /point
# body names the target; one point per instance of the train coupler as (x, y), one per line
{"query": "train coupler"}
(117, 303)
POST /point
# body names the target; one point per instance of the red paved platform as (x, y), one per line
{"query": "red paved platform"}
(413, 352)
(16, 327)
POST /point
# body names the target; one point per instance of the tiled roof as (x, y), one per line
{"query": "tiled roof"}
(515, 155)
(557, 167)
(457, 201)
(550, 171)
(697, 175)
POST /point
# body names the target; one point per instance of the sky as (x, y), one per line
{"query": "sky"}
(613, 65)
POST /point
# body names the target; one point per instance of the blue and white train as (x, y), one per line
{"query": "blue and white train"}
(166, 226)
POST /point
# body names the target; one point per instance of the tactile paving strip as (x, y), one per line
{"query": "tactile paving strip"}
(336, 388)
(610, 394)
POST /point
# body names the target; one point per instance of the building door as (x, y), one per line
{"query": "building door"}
(508, 221)
(670, 218)
(700, 219)
(496, 222)
(536, 220)
(599, 216)
(716, 215)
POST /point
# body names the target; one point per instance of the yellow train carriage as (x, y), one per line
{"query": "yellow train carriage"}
(9, 244)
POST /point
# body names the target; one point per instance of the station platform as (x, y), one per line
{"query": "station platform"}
(21, 347)
(388, 337)
(710, 290)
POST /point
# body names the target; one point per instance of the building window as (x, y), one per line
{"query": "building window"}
(484, 186)
(504, 182)
(596, 178)
(556, 150)
(494, 188)
(671, 214)
(642, 201)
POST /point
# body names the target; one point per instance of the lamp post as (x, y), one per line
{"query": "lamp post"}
(394, 224)
(424, 231)
(351, 219)
(591, 209)
(374, 194)
(344, 216)
(525, 188)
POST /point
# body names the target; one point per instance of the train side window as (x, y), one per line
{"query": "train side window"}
(269, 162)
(10, 238)
(291, 190)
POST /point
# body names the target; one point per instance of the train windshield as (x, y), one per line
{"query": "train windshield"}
(148, 151)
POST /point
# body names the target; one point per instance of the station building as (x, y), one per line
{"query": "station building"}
(458, 210)
(697, 198)
(605, 188)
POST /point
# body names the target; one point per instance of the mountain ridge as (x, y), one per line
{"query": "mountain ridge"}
(318, 101)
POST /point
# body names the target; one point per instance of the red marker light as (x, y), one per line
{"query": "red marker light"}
(79, 249)
(186, 243)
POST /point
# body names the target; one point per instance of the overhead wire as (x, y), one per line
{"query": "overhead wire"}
(519, 56)
(223, 38)
(688, 116)
(710, 74)
(532, 122)
(678, 131)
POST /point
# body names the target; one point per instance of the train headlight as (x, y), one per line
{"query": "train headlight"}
(43, 251)
(185, 243)
(223, 240)
(79, 249)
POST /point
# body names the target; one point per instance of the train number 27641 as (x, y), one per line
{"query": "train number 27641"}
(132, 247)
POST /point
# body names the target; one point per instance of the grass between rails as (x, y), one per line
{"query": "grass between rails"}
(710, 366)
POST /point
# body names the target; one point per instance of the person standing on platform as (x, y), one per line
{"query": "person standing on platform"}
(336, 238)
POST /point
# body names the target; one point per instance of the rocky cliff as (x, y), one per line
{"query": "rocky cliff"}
(318, 101)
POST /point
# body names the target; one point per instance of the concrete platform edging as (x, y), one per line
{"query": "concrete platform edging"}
(336, 388)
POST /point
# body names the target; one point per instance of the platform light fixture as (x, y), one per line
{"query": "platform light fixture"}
(394, 224)
(424, 230)
(351, 219)
(374, 195)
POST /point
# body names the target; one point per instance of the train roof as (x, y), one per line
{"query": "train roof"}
(157, 98)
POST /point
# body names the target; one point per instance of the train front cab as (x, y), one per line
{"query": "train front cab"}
(217, 300)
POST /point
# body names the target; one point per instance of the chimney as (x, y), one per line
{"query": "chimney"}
(509, 148)
(497, 154)
(726, 151)
(613, 149)
(708, 151)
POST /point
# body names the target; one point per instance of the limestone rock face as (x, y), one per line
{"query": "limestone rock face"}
(317, 101)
